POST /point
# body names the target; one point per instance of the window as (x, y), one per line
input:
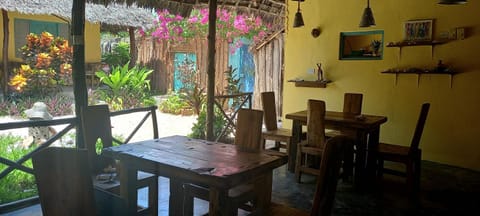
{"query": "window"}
(23, 27)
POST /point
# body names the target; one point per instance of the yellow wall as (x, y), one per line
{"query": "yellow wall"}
(452, 130)
(92, 36)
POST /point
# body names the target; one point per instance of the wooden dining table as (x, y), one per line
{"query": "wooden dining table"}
(184, 160)
(366, 127)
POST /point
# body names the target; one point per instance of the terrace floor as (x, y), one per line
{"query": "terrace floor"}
(445, 190)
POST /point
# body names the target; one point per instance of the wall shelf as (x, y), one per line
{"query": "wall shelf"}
(419, 72)
(402, 44)
(310, 84)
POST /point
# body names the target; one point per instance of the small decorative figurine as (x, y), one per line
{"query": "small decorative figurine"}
(320, 72)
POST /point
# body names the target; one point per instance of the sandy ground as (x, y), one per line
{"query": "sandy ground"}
(122, 126)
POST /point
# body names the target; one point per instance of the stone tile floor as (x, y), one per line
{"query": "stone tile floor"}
(445, 190)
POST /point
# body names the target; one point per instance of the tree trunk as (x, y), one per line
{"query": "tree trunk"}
(6, 36)
(133, 47)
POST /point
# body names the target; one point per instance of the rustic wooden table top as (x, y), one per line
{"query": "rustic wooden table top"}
(197, 161)
(343, 119)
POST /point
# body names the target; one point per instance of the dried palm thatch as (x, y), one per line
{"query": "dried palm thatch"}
(271, 11)
(113, 14)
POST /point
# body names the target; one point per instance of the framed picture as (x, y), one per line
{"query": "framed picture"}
(418, 30)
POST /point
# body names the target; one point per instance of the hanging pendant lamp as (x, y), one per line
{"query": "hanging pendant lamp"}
(452, 2)
(367, 17)
(298, 21)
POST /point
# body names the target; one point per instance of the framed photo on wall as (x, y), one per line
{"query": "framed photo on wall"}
(418, 30)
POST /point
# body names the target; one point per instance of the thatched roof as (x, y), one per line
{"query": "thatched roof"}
(271, 11)
(113, 14)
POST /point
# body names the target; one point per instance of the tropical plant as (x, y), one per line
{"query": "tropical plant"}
(127, 87)
(174, 104)
(199, 129)
(191, 91)
(57, 105)
(119, 56)
(47, 64)
(18, 184)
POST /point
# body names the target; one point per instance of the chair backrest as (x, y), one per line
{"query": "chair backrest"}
(64, 181)
(316, 123)
(419, 128)
(96, 125)
(248, 131)
(329, 172)
(270, 113)
(352, 103)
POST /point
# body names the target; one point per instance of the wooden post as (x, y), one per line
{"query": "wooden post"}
(133, 46)
(212, 19)
(6, 35)
(78, 63)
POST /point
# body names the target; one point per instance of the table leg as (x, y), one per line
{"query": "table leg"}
(176, 197)
(128, 190)
(373, 140)
(292, 152)
(360, 157)
(217, 199)
(263, 188)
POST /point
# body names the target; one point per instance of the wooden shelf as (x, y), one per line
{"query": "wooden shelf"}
(311, 84)
(419, 72)
(402, 44)
(415, 43)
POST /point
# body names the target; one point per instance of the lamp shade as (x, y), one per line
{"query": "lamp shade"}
(298, 22)
(452, 2)
(367, 18)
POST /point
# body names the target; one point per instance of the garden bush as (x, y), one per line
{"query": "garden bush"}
(174, 104)
(17, 184)
(127, 88)
(57, 105)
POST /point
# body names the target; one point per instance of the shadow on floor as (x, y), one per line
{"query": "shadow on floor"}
(445, 190)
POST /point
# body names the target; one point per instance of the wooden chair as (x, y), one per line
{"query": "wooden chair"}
(324, 197)
(281, 136)
(315, 142)
(96, 125)
(248, 135)
(411, 155)
(352, 104)
(65, 186)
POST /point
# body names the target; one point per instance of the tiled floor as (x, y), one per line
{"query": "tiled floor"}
(445, 191)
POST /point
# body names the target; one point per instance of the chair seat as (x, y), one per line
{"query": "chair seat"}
(143, 178)
(389, 149)
(279, 132)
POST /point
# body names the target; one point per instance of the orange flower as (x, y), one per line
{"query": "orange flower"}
(43, 60)
(18, 82)
(46, 39)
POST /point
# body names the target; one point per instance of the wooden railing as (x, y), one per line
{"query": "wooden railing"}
(244, 98)
(71, 122)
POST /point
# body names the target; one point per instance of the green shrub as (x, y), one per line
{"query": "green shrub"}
(57, 105)
(199, 129)
(17, 184)
(174, 104)
(119, 56)
(127, 87)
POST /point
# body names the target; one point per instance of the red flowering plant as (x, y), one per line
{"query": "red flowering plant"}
(47, 65)
(230, 26)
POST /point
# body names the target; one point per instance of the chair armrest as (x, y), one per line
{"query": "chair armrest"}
(109, 204)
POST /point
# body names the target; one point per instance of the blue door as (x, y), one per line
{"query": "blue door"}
(242, 60)
(184, 65)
